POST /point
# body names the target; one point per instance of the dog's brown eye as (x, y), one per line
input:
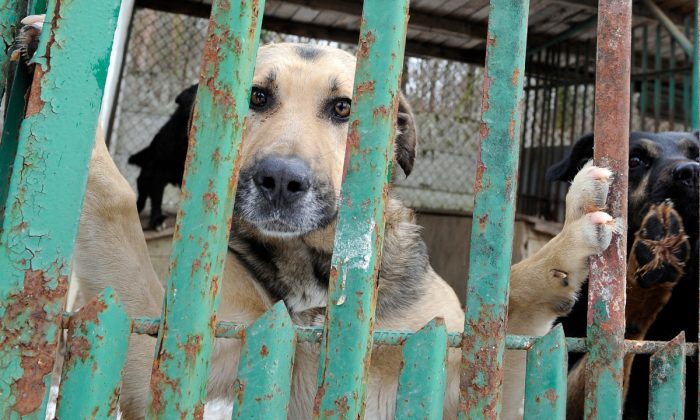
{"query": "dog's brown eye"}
(258, 98)
(342, 108)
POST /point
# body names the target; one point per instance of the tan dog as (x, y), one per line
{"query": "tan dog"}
(282, 239)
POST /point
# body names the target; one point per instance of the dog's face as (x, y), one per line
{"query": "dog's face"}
(294, 139)
(662, 166)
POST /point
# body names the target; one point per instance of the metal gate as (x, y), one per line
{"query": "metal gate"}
(46, 147)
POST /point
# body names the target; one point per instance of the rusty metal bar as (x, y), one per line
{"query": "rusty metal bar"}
(483, 343)
(181, 368)
(545, 380)
(41, 218)
(606, 296)
(423, 374)
(360, 227)
(98, 337)
(667, 381)
(264, 378)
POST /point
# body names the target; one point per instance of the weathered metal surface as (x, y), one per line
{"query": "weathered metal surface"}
(262, 387)
(667, 381)
(227, 329)
(98, 336)
(606, 296)
(41, 217)
(423, 376)
(360, 229)
(545, 380)
(185, 339)
(494, 211)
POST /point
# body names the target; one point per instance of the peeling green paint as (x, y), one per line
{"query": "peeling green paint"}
(360, 230)
(264, 375)
(41, 215)
(545, 377)
(494, 211)
(98, 336)
(183, 350)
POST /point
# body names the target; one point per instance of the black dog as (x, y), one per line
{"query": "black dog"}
(663, 168)
(163, 161)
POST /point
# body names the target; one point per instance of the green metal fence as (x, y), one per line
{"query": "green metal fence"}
(46, 145)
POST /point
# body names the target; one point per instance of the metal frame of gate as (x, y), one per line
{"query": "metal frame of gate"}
(46, 146)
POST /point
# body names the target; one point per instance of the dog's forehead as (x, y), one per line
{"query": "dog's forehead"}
(664, 143)
(312, 61)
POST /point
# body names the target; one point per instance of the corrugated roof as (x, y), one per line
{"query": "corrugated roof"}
(452, 29)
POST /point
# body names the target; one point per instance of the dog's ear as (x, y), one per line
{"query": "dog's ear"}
(580, 153)
(406, 137)
(187, 96)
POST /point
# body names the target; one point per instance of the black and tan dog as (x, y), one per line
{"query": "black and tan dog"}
(282, 239)
(662, 276)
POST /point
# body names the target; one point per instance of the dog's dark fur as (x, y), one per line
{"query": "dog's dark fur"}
(163, 161)
(663, 166)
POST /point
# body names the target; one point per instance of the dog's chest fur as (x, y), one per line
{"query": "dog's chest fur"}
(288, 270)
(296, 272)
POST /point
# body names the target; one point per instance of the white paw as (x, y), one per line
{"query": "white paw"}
(28, 37)
(588, 192)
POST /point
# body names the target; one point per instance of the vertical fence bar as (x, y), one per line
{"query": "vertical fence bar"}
(695, 107)
(672, 85)
(667, 381)
(606, 296)
(264, 379)
(181, 368)
(422, 380)
(644, 89)
(545, 380)
(41, 217)
(657, 78)
(98, 337)
(483, 344)
(360, 232)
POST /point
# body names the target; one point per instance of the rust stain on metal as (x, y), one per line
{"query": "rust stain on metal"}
(37, 360)
(366, 41)
(483, 130)
(482, 221)
(264, 351)
(515, 76)
(192, 347)
(35, 104)
(551, 395)
(364, 87)
(381, 111)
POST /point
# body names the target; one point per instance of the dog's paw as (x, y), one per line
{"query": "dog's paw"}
(660, 248)
(27, 40)
(588, 192)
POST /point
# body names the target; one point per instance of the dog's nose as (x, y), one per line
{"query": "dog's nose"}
(282, 179)
(687, 173)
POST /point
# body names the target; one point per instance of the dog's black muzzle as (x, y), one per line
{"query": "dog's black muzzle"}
(282, 180)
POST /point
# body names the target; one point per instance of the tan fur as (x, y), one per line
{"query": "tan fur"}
(111, 251)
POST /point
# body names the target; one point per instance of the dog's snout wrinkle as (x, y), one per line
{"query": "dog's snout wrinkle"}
(687, 173)
(282, 180)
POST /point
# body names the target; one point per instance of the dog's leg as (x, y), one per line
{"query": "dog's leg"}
(111, 251)
(545, 286)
